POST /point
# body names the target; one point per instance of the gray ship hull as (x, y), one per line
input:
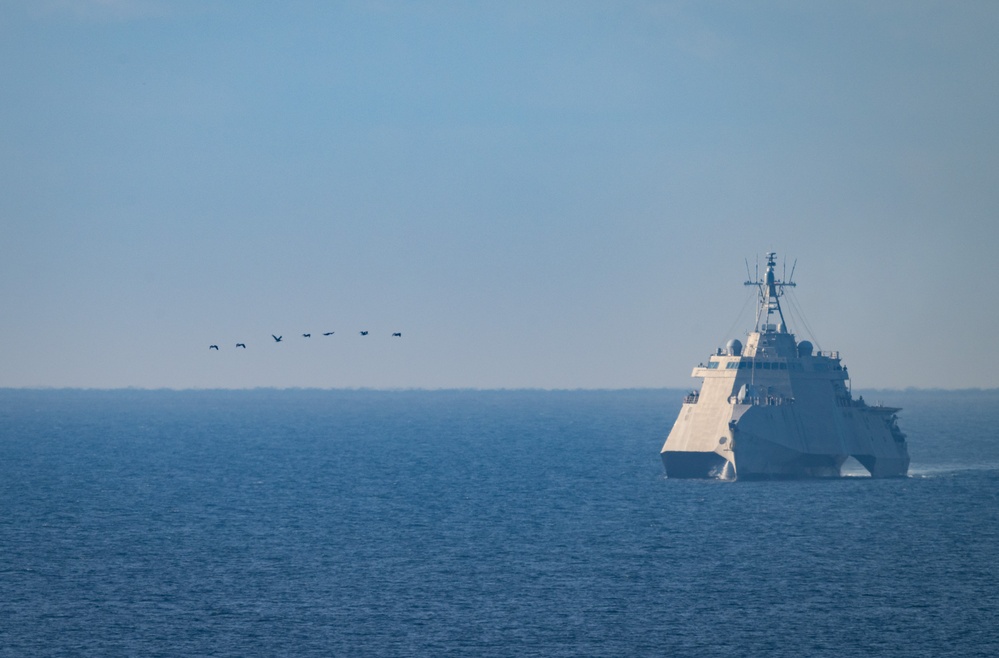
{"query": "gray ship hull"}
(785, 441)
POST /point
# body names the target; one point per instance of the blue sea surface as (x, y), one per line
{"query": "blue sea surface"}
(474, 523)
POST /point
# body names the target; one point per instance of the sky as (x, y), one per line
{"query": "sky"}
(535, 194)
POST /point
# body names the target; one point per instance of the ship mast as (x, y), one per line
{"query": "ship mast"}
(770, 290)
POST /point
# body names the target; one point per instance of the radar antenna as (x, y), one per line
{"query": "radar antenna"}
(770, 291)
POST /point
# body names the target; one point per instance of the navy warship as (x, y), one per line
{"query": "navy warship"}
(776, 408)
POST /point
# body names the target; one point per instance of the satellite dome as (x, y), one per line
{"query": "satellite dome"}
(804, 348)
(734, 347)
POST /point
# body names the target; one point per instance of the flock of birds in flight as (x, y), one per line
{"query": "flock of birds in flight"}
(278, 339)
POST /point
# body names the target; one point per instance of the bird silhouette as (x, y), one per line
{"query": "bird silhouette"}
(243, 345)
(306, 335)
(397, 334)
(328, 333)
(364, 333)
(213, 347)
(277, 339)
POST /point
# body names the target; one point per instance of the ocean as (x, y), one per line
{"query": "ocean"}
(474, 523)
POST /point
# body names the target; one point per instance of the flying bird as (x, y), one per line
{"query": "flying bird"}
(277, 339)
(213, 347)
(364, 333)
(306, 335)
(243, 345)
(397, 334)
(328, 333)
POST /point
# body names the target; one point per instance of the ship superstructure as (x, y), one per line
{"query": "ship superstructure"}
(775, 407)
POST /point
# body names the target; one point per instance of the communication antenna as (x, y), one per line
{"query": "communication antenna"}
(770, 290)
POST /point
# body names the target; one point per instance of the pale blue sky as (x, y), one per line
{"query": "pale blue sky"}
(537, 194)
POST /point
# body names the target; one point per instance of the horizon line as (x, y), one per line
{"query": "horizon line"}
(908, 389)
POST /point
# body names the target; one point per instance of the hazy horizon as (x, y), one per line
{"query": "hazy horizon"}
(910, 389)
(537, 195)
